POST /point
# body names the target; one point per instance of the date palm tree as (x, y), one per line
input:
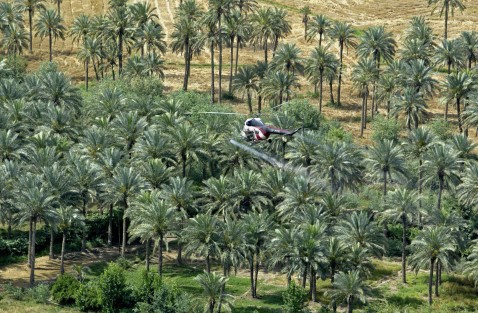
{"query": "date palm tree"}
(412, 105)
(467, 190)
(306, 12)
(386, 158)
(67, 217)
(262, 29)
(35, 202)
(245, 82)
(50, 24)
(469, 43)
(81, 29)
(89, 52)
(278, 84)
(287, 58)
(380, 45)
(202, 238)
(445, 7)
(400, 206)
(125, 183)
(318, 26)
(343, 33)
(152, 218)
(31, 6)
(458, 86)
(214, 289)
(433, 244)
(56, 88)
(14, 39)
(348, 287)
(151, 35)
(419, 76)
(319, 61)
(280, 27)
(441, 161)
(387, 88)
(119, 17)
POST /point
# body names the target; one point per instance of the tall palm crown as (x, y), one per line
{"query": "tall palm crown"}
(469, 42)
(263, 29)
(214, 289)
(246, 82)
(15, 39)
(81, 28)
(412, 105)
(50, 24)
(278, 84)
(319, 25)
(378, 44)
(287, 58)
(449, 53)
(446, 6)
(31, 6)
(343, 33)
(348, 287)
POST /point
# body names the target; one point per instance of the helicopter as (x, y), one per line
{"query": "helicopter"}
(255, 130)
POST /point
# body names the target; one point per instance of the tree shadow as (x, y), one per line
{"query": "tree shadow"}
(404, 301)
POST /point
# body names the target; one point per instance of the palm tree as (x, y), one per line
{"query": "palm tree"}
(319, 61)
(386, 158)
(441, 161)
(298, 194)
(433, 244)
(412, 105)
(50, 24)
(446, 5)
(387, 86)
(31, 6)
(280, 27)
(458, 86)
(287, 58)
(246, 83)
(126, 182)
(214, 289)
(151, 35)
(359, 228)
(129, 127)
(364, 74)
(248, 193)
(119, 22)
(35, 202)
(152, 218)
(14, 39)
(335, 253)
(142, 13)
(89, 52)
(262, 29)
(340, 163)
(419, 76)
(467, 190)
(182, 39)
(344, 34)
(56, 88)
(469, 43)
(232, 243)
(305, 11)
(67, 218)
(318, 26)
(202, 238)
(278, 84)
(260, 69)
(153, 64)
(81, 29)
(348, 287)
(380, 45)
(401, 206)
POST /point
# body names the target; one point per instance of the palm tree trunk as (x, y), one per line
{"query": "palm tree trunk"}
(304, 276)
(404, 251)
(95, 68)
(249, 101)
(208, 263)
(160, 263)
(30, 242)
(32, 253)
(436, 278)
(321, 82)
(439, 272)
(123, 245)
(86, 74)
(384, 183)
(331, 91)
(50, 44)
(313, 282)
(447, 7)
(30, 18)
(458, 111)
(62, 257)
(320, 39)
(440, 191)
(186, 61)
(340, 72)
(251, 275)
(211, 306)
(430, 281)
(362, 117)
(52, 239)
(83, 235)
(349, 304)
(58, 2)
(238, 40)
(146, 256)
(220, 60)
(120, 53)
(212, 71)
(110, 225)
(259, 103)
(232, 64)
(265, 50)
(256, 273)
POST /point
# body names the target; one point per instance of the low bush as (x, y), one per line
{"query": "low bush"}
(40, 293)
(64, 289)
(383, 128)
(87, 297)
(113, 288)
(295, 299)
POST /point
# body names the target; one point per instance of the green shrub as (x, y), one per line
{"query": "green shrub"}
(304, 114)
(12, 292)
(87, 297)
(39, 293)
(442, 129)
(150, 282)
(295, 299)
(113, 289)
(64, 289)
(123, 263)
(170, 300)
(384, 128)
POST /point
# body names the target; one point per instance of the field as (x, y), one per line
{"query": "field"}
(394, 15)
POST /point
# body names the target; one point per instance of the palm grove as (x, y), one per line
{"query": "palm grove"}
(168, 172)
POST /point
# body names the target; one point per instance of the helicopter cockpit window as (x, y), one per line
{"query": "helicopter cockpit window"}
(254, 122)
